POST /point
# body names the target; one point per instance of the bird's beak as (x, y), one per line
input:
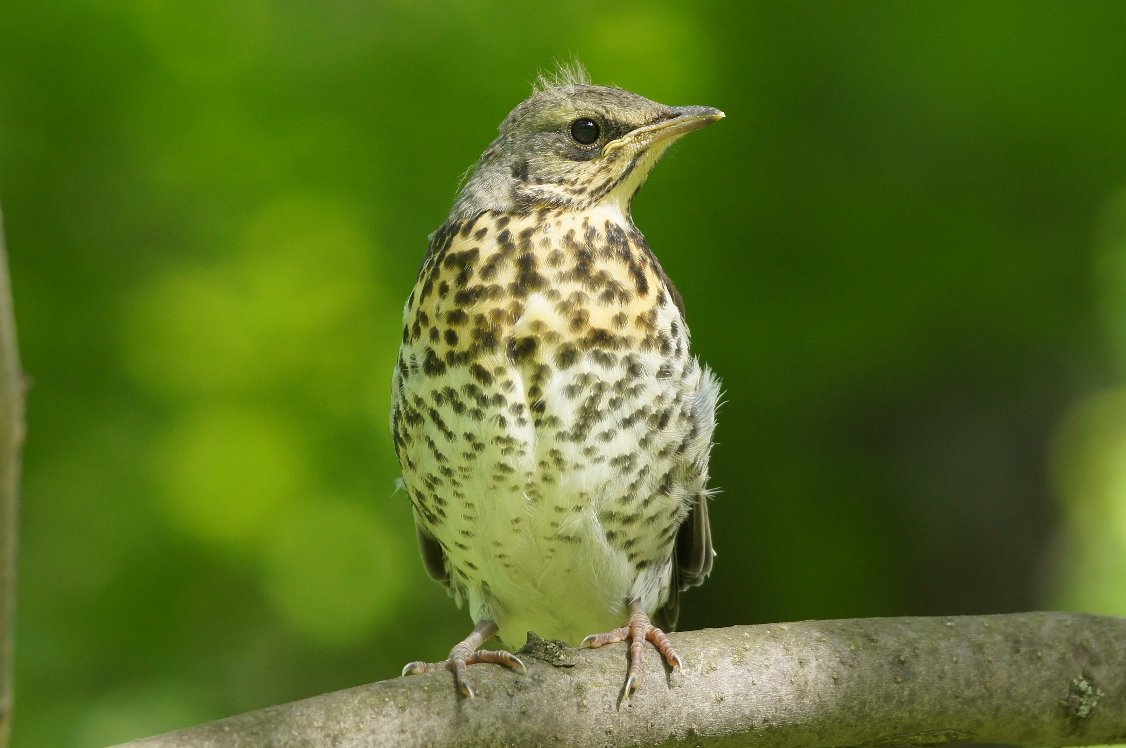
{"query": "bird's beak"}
(686, 119)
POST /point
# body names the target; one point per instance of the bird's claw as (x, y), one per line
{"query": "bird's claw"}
(458, 666)
(594, 641)
(637, 631)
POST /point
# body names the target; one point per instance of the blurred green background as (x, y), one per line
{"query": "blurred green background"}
(904, 251)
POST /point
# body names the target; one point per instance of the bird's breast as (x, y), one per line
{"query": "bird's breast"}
(544, 388)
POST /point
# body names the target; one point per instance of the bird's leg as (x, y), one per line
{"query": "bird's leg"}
(638, 630)
(465, 653)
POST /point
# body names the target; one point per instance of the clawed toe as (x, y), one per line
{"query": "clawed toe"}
(465, 654)
(594, 641)
(637, 631)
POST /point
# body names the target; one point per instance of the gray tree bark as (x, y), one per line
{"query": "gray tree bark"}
(1026, 678)
(11, 444)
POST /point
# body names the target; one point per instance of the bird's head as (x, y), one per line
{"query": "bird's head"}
(572, 145)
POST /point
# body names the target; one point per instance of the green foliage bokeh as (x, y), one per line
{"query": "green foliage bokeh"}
(904, 251)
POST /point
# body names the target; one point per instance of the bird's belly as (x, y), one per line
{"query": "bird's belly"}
(557, 511)
(569, 502)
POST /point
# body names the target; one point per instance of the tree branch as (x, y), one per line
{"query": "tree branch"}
(1026, 678)
(11, 443)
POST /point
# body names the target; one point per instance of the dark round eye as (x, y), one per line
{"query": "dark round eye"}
(585, 130)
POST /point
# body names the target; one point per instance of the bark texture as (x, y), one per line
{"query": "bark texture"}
(1027, 678)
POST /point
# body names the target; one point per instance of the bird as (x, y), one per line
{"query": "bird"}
(552, 426)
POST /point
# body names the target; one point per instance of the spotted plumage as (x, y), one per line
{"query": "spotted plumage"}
(552, 425)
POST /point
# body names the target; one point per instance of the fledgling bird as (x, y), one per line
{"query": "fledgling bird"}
(552, 426)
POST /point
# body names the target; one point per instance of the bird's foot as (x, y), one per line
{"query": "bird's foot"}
(638, 630)
(464, 654)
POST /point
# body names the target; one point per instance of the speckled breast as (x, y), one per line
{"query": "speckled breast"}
(543, 416)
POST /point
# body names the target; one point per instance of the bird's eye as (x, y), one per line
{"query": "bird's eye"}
(585, 130)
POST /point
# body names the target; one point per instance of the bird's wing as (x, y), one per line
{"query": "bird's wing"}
(693, 552)
(433, 557)
(691, 560)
